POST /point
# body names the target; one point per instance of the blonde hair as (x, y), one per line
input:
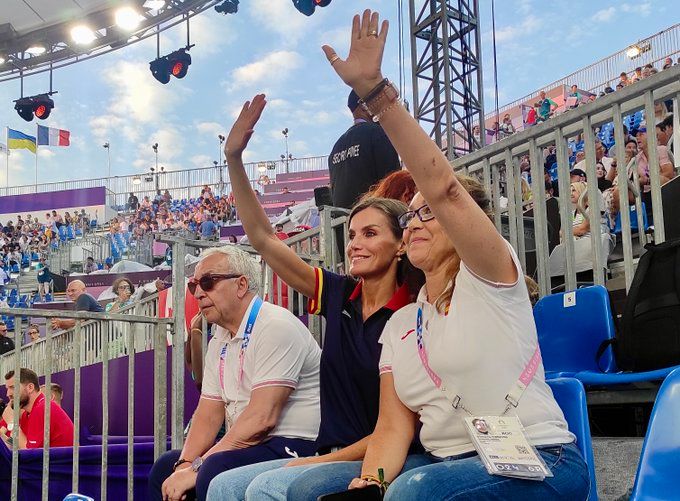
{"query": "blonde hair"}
(476, 190)
(580, 187)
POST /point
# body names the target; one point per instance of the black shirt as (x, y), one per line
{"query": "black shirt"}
(85, 302)
(6, 345)
(349, 376)
(360, 158)
(133, 202)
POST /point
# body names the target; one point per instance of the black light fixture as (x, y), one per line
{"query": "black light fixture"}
(39, 106)
(227, 7)
(24, 107)
(174, 64)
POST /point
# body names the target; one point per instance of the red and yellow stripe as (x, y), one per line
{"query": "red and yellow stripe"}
(314, 303)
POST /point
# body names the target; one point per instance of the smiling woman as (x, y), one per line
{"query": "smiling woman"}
(356, 308)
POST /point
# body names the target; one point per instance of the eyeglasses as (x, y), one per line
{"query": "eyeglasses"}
(424, 214)
(124, 286)
(30, 333)
(207, 282)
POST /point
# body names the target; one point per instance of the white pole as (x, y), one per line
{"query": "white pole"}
(36, 158)
(7, 161)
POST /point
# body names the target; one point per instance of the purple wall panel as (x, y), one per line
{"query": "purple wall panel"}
(41, 202)
(91, 395)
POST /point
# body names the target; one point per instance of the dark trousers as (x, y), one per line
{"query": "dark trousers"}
(275, 448)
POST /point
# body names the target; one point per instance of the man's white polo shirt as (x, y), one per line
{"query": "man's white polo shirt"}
(281, 352)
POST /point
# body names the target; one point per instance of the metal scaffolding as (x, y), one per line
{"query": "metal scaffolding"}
(447, 72)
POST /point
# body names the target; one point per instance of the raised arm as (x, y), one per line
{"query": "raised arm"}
(283, 260)
(474, 236)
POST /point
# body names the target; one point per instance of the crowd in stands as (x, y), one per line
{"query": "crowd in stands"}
(201, 216)
(545, 108)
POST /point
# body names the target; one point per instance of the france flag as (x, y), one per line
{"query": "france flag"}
(53, 137)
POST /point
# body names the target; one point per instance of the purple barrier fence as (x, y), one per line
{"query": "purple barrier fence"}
(39, 203)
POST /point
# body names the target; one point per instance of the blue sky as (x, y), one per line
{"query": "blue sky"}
(269, 47)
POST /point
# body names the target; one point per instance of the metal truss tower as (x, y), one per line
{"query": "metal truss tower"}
(446, 61)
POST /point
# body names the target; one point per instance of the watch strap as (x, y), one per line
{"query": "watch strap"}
(179, 462)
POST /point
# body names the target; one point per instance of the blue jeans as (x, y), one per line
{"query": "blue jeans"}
(309, 482)
(467, 478)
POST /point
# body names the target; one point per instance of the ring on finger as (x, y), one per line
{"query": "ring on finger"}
(373, 33)
(333, 59)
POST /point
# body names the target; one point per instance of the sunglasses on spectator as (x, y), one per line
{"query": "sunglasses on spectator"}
(208, 282)
(424, 214)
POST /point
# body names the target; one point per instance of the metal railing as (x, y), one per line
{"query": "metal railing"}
(185, 183)
(596, 76)
(99, 338)
(161, 327)
(96, 245)
(500, 161)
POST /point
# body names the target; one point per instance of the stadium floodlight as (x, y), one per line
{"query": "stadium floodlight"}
(36, 49)
(160, 69)
(227, 7)
(42, 106)
(82, 35)
(179, 62)
(154, 4)
(633, 51)
(24, 107)
(128, 19)
(307, 7)
(136, 180)
(2, 59)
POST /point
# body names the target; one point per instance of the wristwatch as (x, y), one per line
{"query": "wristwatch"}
(196, 464)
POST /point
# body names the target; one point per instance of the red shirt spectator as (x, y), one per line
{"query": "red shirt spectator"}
(33, 423)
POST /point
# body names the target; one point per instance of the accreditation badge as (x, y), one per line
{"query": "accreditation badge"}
(504, 449)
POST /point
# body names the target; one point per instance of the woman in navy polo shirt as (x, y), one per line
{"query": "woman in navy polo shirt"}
(355, 312)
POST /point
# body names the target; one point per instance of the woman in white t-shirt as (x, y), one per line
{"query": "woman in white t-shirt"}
(476, 335)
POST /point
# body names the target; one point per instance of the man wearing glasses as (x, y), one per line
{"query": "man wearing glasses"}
(261, 377)
(6, 344)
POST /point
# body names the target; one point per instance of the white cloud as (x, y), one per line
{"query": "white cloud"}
(201, 160)
(604, 15)
(643, 9)
(210, 128)
(275, 66)
(45, 153)
(282, 18)
(515, 32)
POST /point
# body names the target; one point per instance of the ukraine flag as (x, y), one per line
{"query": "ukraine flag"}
(17, 140)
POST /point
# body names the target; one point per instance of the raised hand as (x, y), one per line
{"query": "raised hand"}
(244, 127)
(361, 69)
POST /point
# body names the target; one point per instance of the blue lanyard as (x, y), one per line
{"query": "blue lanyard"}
(254, 311)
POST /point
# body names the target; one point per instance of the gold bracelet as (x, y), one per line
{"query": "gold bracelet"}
(370, 478)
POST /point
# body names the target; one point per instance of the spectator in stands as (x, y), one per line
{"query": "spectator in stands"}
(532, 115)
(6, 344)
(580, 223)
(602, 182)
(577, 175)
(624, 79)
(268, 387)
(664, 131)
(4, 278)
(384, 283)
(619, 86)
(576, 95)
(132, 202)
(666, 169)
(123, 289)
(208, 229)
(361, 157)
(637, 76)
(546, 107)
(77, 292)
(647, 71)
(32, 420)
(90, 265)
(44, 278)
(398, 185)
(667, 63)
(506, 128)
(470, 268)
(600, 156)
(33, 333)
(280, 234)
(660, 112)
(57, 393)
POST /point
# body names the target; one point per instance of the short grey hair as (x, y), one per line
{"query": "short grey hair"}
(240, 262)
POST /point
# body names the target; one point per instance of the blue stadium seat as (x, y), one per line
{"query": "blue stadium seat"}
(571, 397)
(69, 232)
(571, 327)
(93, 223)
(633, 220)
(657, 472)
